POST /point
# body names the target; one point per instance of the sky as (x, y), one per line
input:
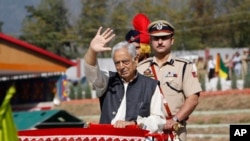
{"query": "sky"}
(12, 13)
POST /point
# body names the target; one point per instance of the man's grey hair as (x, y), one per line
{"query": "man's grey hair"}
(124, 44)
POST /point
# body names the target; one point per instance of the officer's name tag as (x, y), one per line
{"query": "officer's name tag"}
(239, 132)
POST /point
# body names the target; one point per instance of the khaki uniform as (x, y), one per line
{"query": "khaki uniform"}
(244, 64)
(178, 79)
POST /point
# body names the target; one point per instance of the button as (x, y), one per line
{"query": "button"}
(113, 112)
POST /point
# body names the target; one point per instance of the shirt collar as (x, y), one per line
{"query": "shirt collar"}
(169, 61)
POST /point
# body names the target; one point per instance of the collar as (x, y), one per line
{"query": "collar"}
(169, 61)
(136, 75)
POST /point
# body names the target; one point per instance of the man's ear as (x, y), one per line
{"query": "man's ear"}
(172, 41)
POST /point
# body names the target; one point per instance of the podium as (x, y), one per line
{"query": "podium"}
(95, 132)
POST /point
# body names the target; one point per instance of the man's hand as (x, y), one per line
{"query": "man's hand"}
(170, 124)
(123, 124)
(101, 39)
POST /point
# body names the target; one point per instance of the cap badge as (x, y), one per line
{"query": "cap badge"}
(159, 26)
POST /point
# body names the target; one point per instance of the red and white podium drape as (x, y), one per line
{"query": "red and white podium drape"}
(95, 132)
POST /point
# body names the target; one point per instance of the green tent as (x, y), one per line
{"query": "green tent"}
(26, 120)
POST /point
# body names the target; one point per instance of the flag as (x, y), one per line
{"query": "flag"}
(220, 69)
(8, 131)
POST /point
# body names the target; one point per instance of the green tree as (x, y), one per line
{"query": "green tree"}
(93, 15)
(47, 26)
(198, 23)
(195, 26)
(79, 90)
(121, 21)
(213, 23)
(239, 17)
(124, 12)
(117, 15)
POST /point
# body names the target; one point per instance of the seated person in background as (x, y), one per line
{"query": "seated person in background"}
(126, 97)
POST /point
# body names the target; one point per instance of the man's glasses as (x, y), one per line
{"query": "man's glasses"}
(156, 38)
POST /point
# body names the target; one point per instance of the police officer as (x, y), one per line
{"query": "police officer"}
(139, 36)
(178, 77)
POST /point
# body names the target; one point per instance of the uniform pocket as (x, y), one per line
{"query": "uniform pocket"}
(174, 85)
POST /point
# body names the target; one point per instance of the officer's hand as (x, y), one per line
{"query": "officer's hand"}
(169, 124)
(99, 41)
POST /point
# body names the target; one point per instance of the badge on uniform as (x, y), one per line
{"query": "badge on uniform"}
(148, 73)
(171, 74)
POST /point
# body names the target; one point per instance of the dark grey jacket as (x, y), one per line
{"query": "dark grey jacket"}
(138, 98)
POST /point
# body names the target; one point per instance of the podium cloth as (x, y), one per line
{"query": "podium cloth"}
(92, 133)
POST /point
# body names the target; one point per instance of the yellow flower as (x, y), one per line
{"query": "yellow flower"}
(145, 48)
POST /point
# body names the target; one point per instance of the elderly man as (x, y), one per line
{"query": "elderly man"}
(126, 97)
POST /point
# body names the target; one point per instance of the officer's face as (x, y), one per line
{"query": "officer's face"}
(139, 55)
(162, 44)
(125, 64)
(138, 49)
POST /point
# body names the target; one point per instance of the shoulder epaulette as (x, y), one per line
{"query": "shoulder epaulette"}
(150, 59)
(183, 60)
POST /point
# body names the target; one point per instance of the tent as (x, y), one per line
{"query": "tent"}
(26, 120)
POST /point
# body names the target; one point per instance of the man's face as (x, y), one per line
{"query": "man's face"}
(162, 44)
(125, 64)
(139, 55)
(138, 50)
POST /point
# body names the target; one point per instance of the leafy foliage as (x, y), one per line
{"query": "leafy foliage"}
(47, 26)
(198, 24)
(88, 93)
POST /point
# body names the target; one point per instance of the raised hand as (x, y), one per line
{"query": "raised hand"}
(101, 39)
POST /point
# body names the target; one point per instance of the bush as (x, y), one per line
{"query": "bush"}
(88, 91)
(79, 90)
